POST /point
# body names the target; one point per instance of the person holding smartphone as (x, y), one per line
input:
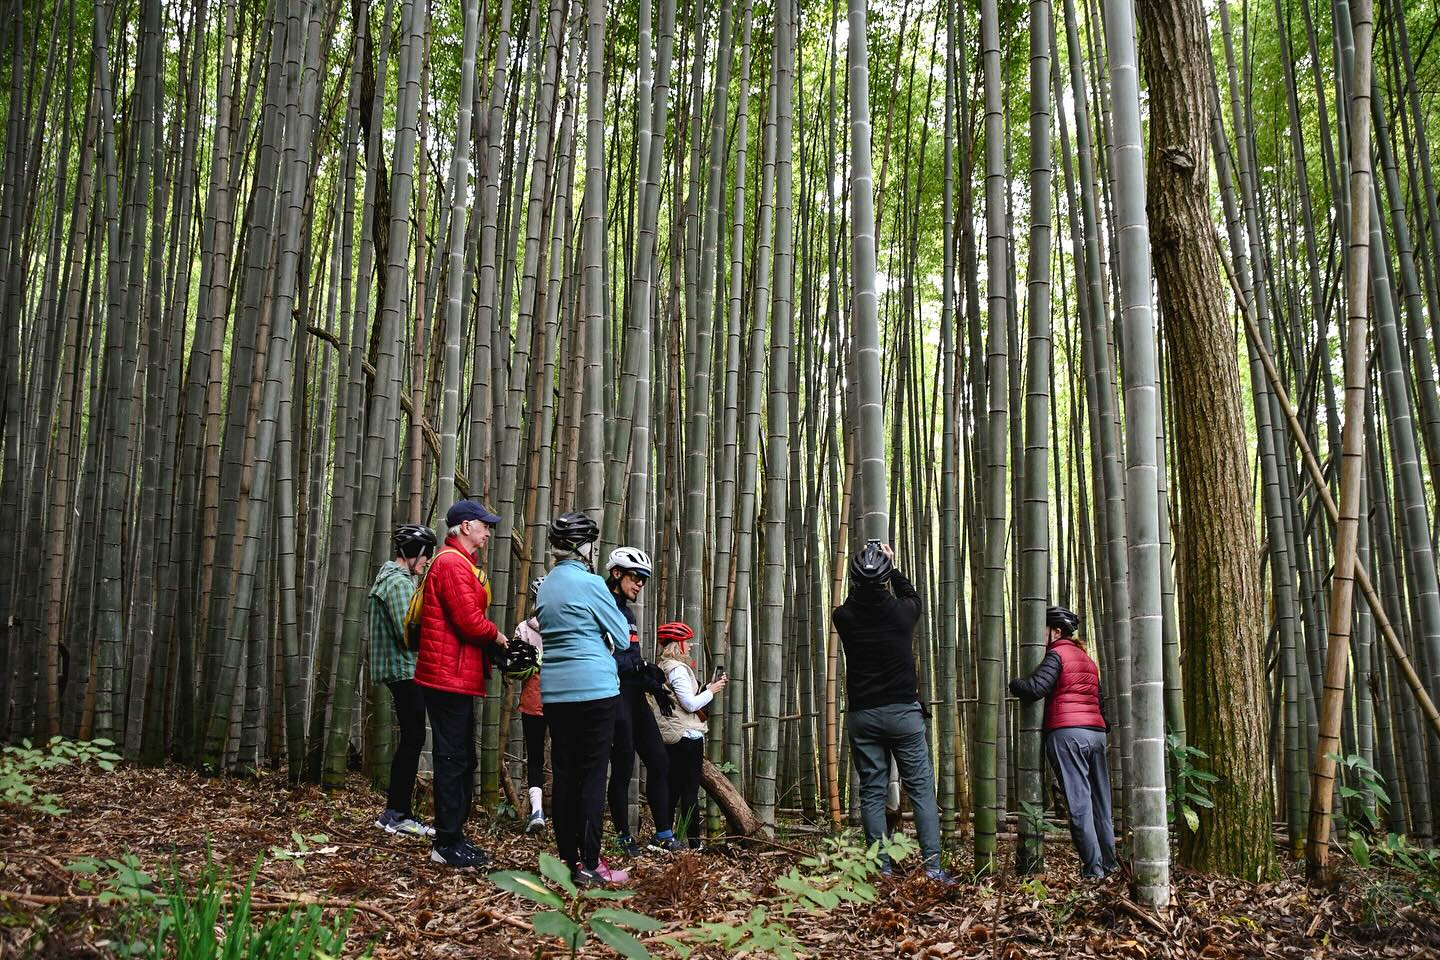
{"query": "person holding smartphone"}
(876, 624)
(684, 727)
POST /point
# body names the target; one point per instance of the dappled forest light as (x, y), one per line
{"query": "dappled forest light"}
(1128, 306)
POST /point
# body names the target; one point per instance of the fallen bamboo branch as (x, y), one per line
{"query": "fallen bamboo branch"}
(287, 900)
(1138, 913)
(731, 802)
(1322, 490)
(45, 899)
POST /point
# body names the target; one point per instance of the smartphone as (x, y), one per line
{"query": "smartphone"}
(873, 543)
(719, 672)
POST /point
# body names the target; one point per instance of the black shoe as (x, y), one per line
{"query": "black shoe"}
(628, 846)
(665, 845)
(482, 855)
(585, 879)
(461, 856)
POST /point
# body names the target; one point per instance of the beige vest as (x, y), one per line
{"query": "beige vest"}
(673, 727)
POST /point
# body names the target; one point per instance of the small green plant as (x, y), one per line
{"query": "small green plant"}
(570, 912)
(302, 848)
(124, 884)
(122, 879)
(758, 934)
(841, 872)
(1060, 909)
(1409, 874)
(198, 925)
(1369, 794)
(18, 763)
(1033, 888)
(1032, 818)
(1189, 791)
(682, 824)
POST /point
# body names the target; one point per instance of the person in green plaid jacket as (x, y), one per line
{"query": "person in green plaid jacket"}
(394, 666)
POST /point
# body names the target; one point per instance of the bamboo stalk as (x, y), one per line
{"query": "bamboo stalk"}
(1322, 489)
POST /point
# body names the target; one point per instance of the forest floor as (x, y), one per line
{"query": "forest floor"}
(324, 847)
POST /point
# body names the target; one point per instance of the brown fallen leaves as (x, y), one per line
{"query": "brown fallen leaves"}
(409, 907)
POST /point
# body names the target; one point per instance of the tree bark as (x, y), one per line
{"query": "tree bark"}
(1220, 602)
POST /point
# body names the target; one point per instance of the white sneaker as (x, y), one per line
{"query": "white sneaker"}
(392, 821)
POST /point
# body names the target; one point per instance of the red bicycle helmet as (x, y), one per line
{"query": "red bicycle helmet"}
(676, 632)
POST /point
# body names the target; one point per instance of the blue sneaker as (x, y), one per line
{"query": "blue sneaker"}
(939, 876)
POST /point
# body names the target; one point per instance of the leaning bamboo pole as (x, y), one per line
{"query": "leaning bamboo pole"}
(1317, 478)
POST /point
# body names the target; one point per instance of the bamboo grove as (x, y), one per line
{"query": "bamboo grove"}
(1131, 306)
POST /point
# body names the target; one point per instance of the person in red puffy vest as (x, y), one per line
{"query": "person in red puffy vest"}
(1069, 683)
(456, 639)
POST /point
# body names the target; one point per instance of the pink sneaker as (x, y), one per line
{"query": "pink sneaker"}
(613, 877)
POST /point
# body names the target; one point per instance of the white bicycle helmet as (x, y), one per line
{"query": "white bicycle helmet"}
(630, 560)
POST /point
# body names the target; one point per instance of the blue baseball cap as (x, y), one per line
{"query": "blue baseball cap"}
(463, 510)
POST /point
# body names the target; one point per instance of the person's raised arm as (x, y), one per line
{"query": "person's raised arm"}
(682, 683)
(1038, 685)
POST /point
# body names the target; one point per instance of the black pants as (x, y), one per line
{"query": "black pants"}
(452, 729)
(580, 736)
(534, 749)
(410, 718)
(685, 762)
(636, 732)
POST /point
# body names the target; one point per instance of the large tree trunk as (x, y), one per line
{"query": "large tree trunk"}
(1221, 609)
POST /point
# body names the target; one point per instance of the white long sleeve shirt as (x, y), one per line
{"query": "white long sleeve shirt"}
(683, 685)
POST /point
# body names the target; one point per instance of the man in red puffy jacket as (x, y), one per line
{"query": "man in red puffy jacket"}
(1069, 682)
(454, 660)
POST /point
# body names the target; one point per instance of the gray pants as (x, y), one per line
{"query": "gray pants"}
(895, 730)
(1078, 756)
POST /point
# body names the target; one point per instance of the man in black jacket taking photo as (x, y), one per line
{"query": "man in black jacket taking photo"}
(876, 624)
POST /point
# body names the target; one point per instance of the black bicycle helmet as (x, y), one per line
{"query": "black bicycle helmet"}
(870, 565)
(571, 531)
(522, 661)
(1063, 620)
(414, 540)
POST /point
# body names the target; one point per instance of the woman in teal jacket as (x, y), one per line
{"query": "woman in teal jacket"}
(580, 689)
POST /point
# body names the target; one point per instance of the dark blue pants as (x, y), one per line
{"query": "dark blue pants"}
(895, 730)
(1078, 756)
